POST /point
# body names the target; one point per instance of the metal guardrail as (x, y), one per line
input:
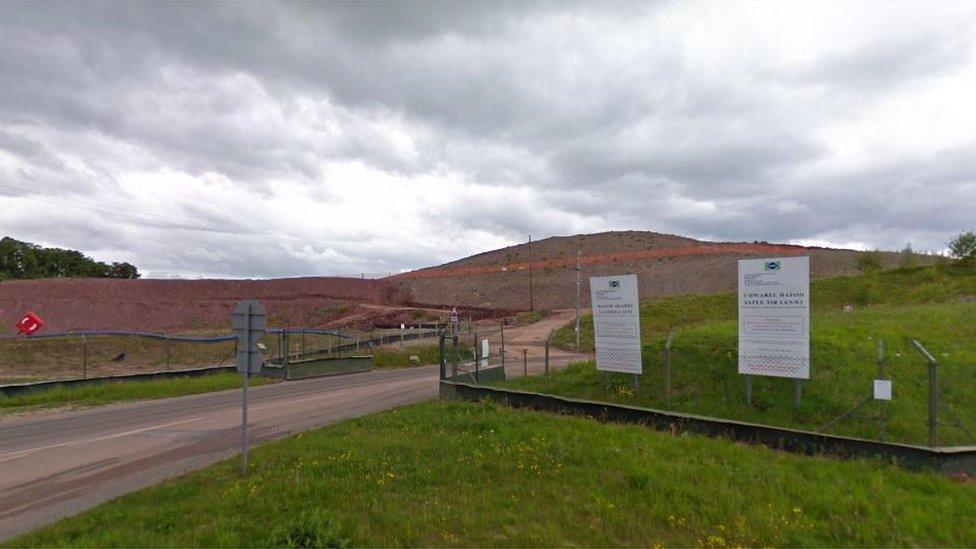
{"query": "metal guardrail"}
(150, 335)
(172, 337)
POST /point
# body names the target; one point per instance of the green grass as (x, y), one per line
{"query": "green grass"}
(450, 474)
(912, 286)
(390, 357)
(107, 393)
(933, 304)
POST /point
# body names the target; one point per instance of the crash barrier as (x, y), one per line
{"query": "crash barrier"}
(22, 388)
(947, 459)
(317, 367)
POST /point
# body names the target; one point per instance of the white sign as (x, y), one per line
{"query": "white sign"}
(616, 323)
(882, 389)
(483, 359)
(774, 317)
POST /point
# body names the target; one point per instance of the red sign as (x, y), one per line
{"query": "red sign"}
(29, 324)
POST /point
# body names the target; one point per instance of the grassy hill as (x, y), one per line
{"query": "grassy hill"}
(463, 474)
(935, 305)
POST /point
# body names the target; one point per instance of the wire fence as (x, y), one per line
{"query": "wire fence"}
(899, 390)
(102, 353)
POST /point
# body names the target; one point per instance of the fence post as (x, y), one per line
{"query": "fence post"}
(548, 375)
(503, 343)
(84, 356)
(667, 369)
(477, 360)
(933, 393)
(454, 366)
(525, 363)
(167, 351)
(284, 339)
(881, 375)
(443, 359)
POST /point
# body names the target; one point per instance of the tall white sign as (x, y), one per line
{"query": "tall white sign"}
(616, 323)
(774, 317)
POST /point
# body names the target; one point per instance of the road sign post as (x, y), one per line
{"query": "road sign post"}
(250, 322)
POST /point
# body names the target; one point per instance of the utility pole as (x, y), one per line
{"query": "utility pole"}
(578, 269)
(529, 251)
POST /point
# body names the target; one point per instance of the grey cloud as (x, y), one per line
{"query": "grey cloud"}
(607, 121)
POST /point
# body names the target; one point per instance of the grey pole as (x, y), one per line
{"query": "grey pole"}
(548, 373)
(247, 366)
(528, 250)
(503, 344)
(84, 356)
(285, 349)
(933, 393)
(477, 353)
(748, 389)
(667, 369)
(933, 404)
(578, 269)
(454, 365)
(443, 358)
(881, 375)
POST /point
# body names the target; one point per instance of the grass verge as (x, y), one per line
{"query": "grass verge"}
(450, 474)
(107, 393)
(390, 357)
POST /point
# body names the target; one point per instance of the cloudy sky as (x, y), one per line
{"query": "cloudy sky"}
(259, 140)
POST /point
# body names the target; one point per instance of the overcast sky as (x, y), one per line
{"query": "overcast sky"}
(260, 140)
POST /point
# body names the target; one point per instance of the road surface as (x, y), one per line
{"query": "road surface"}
(54, 465)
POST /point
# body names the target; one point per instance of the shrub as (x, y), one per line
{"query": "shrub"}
(963, 246)
(870, 262)
(908, 258)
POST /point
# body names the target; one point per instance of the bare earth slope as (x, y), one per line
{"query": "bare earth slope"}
(495, 280)
(665, 265)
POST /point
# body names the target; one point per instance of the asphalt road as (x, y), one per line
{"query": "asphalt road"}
(54, 465)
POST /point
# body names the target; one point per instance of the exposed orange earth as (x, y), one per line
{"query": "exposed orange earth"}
(488, 284)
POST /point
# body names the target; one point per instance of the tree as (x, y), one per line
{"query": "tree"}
(963, 247)
(20, 260)
(908, 258)
(123, 270)
(870, 262)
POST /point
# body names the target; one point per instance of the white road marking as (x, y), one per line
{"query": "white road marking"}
(22, 453)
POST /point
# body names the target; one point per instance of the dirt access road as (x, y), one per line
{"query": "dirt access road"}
(59, 464)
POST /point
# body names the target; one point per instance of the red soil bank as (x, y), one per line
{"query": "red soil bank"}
(77, 304)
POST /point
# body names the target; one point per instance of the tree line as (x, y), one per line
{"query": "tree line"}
(21, 260)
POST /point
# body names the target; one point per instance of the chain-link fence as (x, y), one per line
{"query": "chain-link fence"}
(85, 355)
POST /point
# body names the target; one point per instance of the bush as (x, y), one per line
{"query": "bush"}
(963, 246)
(870, 262)
(908, 258)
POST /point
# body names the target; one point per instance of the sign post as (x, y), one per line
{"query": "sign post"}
(774, 319)
(616, 324)
(250, 322)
